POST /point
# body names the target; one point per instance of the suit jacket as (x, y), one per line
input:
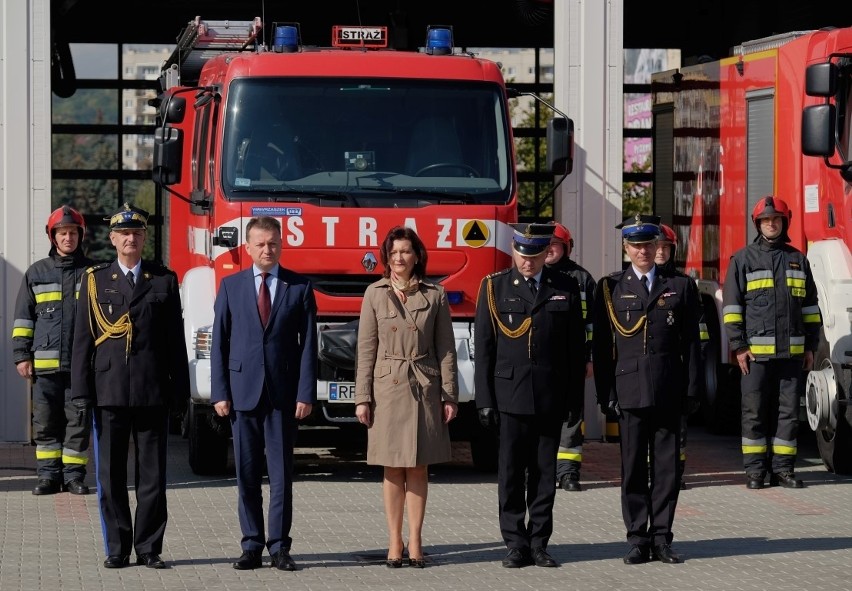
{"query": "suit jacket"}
(540, 371)
(659, 363)
(145, 362)
(283, 355)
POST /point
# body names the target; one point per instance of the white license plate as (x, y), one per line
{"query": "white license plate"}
(341, 392)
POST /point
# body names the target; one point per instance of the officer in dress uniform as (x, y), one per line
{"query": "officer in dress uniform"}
(647, 359)
(129, 364)
(530, 363)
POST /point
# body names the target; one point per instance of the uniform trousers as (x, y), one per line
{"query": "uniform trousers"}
(650, 473)
(60, 429)
(525, 478)
(114, 427)
(265, 434)
(770, 415)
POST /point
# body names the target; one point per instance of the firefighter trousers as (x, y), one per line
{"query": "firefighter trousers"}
(569, 458)
(770, 415)
(61, 429)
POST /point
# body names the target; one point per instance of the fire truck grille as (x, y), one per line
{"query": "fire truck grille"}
(348, 285)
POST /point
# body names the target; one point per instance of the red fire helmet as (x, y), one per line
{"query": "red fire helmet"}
(667, 234)
(768, 207)
(65, 216)
(561, 234)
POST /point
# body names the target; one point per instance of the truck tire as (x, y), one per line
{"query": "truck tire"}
(208, 450)
(833, 435)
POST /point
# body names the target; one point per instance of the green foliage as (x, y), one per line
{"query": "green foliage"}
(636, 197)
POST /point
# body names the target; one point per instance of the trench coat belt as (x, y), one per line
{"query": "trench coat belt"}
(417, 369)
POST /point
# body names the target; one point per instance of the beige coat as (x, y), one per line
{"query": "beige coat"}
(406, 369)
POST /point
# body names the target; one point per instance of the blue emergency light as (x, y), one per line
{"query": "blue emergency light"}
(454, 298)
(439, 40)
(286, 39)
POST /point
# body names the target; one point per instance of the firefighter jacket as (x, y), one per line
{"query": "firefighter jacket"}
(587, 295)
(42, 331)
(769, 302)
(647, 349)
(530, 357)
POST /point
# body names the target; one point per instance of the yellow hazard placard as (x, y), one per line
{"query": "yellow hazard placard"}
(475, 233)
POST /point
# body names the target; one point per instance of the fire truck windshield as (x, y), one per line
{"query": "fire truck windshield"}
(366, 142)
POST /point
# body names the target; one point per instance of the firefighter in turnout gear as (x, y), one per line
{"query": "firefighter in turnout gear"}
(647, 369)
(772, 317)
(530, 361)
(42, 335)
(569, 458)
(665, 258)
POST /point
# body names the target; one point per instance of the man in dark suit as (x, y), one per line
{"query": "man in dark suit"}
(647, 359)
(530, 364)
(264, 378)
(129, 362)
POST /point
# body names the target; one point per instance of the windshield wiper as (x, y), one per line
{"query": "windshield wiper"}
(440, 195)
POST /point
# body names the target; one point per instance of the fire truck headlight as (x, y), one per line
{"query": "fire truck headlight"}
(454, 298)
(203, 342)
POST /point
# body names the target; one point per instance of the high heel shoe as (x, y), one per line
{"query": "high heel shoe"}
(417, 562)
(394, 562)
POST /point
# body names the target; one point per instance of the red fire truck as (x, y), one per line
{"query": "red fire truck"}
(729, 132)
(341, 143)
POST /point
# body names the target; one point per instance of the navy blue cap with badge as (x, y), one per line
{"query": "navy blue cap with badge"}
(128, 218)
(531, 240)
(640, 228)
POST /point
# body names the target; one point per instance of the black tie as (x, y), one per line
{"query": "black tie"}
(645, 283)
(533, 287)
(130, 279)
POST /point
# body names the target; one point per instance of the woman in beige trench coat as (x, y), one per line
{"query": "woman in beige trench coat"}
(406, 385)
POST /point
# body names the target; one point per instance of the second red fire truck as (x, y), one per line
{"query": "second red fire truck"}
(775, 118)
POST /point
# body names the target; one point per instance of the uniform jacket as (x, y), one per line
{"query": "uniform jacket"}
(283, 355)
(769, 301)
(145, 363)
(540, 371)
(406, 369)
(44, 312)
(660, 364)
(587, 295)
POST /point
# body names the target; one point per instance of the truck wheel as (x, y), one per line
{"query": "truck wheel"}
(208, 450)
(828, 415)
(483, 450)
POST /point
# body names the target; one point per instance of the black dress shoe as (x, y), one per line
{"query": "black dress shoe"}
(664, 553)
(117, 561)
(682, 484)
(46, 486)
(570, 482)
(248, 560)
(785, 479)
(637, 555)
(151, 560)
(542, 558)
(282, 561)
(77, 487)
(516, 558)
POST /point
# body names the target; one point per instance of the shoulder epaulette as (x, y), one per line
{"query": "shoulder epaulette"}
(616, 273)
(94, 268)
(500, 272)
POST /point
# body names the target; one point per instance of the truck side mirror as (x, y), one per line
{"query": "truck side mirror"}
(560, 145)
(821, 80)
(168, 146)
(818, 130)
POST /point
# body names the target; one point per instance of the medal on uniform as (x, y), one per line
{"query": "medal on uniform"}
(510, 319)
(110, 309)
(628, 316)
(661, 302)
(670, 318)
